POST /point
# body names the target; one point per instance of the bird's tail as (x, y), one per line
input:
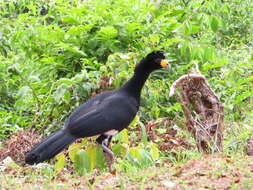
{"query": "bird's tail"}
(49, 147)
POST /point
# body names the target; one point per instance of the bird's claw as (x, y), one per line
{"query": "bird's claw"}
(109, 156)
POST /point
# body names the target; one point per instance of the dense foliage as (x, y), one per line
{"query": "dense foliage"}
(55, 54)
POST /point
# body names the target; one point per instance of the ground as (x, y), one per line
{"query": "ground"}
(216, 171)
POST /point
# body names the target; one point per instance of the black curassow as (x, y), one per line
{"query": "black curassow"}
(105, 114)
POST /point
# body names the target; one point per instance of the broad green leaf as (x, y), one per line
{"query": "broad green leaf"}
(34, 78)
(118, 149)
(197, 53)
(226, 8)
(60, 163)
(71, 48)
(70, 20)
(72, 150)
(209, 54)
(134, 152)
(100, 158)
(242, 96)
(59, 93)
(65, 82)
(214, 23)
(84, 141)
(245, 80)
(154, 152)
(92, 154)
(185, 51)
(145, 158)
(154, 38)
(195, 29)
(107, 33)
(135, 121)
(67, 97)
(82, 162)
(124, 136)
(23, 91)
(191, 28)
(144, 137)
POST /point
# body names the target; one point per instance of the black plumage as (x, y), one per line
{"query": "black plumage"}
(104, 115)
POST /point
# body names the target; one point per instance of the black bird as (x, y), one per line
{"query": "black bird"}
(105, 114)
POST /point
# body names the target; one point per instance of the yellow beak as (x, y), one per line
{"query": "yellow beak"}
(164, 63)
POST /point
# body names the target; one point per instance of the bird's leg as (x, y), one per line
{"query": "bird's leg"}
(107, 140)
(100, 140)
(105, 148)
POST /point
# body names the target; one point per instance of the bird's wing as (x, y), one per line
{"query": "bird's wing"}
(114, 112)
(87, 107)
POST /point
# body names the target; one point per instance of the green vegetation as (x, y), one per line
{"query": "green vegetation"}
(55, 54)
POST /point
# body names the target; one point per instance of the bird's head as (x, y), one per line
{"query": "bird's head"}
(153, 61)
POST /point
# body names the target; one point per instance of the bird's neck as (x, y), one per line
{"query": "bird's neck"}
(136, 83)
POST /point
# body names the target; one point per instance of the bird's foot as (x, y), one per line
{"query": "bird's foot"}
(109, 156)
(109, 159)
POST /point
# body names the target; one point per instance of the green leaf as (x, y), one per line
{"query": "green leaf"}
(245, 80)
(214, 23)
(69, 20)
(72, 151)
(84, 141)
(154, 38)
(23, 91)
(71, 48)
(123, 137)
(59, 93)
(191, 28)
(100, 158)
(144, 137)
(60, 163)
(186, 50)
(145, 158)
(65, 82)
(197, 53)
(92, 154)
(118, 149)
(209, 54)
(107, 33)
(67, 97)
(154, 152)
(82, 162)
(134, 152)
(243, 96)
(135, 121)
(208, 66)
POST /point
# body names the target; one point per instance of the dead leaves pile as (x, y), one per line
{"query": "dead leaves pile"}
(19, 144)
(167, 140)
